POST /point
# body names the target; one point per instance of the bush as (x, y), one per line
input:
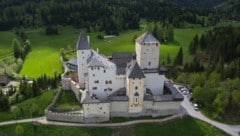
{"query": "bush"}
(52, 30)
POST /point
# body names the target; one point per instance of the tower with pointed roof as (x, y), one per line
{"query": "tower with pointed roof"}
(83, 53)
(147, 51)
(135, 87)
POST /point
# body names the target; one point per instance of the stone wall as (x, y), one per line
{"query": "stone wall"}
(66, 115)
(150, 109)
(68, 84)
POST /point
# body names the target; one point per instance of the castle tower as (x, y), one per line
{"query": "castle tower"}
(135, 87)
(83, 53)
(147, 50)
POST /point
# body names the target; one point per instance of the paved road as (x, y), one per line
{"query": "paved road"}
(20, 121)
(230, 129)
(44, 121)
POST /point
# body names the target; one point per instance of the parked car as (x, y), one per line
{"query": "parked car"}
(195, 106)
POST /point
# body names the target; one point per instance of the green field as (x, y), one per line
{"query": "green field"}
(182, 127)
(68, 100)
(6, 38)
(44, 57)
(40, 103)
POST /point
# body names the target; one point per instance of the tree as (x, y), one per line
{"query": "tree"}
(17, 49)
(168, 59)
(179, 58)
(19, 130)
(4, 103)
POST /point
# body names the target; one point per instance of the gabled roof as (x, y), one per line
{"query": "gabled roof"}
(147, 37)
(121, 59)
(82, 43)
(96, 62)
(134, 71)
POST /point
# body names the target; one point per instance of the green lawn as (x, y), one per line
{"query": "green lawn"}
(181, 127)
(44, 57)
(187, 126)
(40, 103)
(6, 38)
(44, 130)
(67, 100)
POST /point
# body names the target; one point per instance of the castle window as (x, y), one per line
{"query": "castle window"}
(110, 82)
(94, 75)
(139, 78)
(104, 71)
(136, 87)
(96, 81)
(94, 88)
(98, 68)
(156, 44)
(91, 68)
(135, 99)
(82, 52)
(104, 112)
(149, 63)
(105, 90)
(100, 108)
(106, 82)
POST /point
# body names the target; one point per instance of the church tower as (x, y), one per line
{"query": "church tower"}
(83, 53)
(147, 50)
(135, 87)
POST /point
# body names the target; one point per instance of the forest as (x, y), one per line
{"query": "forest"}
(110, 16)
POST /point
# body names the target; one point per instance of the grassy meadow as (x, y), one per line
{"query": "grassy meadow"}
(184, 127)
(23, 109)
(44, 57)
(6, 38)
(67, 100)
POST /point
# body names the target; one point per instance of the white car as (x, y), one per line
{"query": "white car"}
(195, 106)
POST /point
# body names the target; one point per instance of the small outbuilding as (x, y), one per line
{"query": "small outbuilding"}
(4, 80)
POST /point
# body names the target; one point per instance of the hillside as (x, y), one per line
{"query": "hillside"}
(196, 3)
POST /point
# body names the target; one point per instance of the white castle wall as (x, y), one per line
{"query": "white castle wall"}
(135, 102)
(82, 56)
(104, 82)
(155, 82)
(119, 106)
(147, 55)
(93, 110)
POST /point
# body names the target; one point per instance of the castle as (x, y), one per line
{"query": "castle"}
(125, 85)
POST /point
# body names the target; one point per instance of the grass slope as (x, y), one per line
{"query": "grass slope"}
(182, 127)
(44, 57)
(42, 130)
(68, 100)
(6, 38)
(41, 103)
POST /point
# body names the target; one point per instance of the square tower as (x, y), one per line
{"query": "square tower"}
(147, 50)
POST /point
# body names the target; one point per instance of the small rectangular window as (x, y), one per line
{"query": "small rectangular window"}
(106, 82)
(94, 88)
(136, 87)
(96, 81)
(104, 71)
(110, 82)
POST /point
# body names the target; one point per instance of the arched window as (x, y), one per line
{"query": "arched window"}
(136, 97)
